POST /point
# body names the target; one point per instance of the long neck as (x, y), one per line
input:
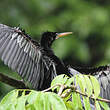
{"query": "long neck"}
(46, 43)
(60, 67)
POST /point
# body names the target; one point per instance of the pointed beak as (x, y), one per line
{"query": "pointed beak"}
(63, 34)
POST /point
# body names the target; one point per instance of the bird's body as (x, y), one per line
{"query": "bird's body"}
(35, 62)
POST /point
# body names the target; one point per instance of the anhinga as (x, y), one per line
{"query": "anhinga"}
(37, 63)
(34, 62)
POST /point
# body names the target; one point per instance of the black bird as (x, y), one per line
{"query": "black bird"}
(34, 62)
(37, 63)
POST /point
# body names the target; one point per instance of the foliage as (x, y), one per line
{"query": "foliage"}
(88, 19)
(73, 93)
(31, 100)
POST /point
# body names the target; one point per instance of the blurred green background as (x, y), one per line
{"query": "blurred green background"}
(88, 19)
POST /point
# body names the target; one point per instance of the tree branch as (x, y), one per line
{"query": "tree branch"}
(70, 89)
(83, 94)
(12, 82)
(52, 87)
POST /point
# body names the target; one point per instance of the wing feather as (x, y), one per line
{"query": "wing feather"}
(8, 54)
(12, 55)
(32, 72)
(21, 64)
(29, 70)
(5, 48)
(25, 66)
(2, 41)
(14, 63)
(22, 55)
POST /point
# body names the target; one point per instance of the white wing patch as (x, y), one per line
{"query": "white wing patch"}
(14, 36)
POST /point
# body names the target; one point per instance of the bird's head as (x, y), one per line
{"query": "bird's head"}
(49, 37)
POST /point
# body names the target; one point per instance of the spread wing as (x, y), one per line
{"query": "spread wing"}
(102, 74)
(25, 56)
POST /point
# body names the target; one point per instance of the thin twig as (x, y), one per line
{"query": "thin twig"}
(83, 94)
(66, 94)
(103, 100)
(51, 87)
(61, 90)
(72, 88)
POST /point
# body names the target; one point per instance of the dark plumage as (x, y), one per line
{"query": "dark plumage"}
(34, 62)
(37, 63)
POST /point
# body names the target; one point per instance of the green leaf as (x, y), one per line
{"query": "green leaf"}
(30, 107)
(9, 98)
(47, 104)
(9, 101)
(32, 96)
(96, 86)
(97, 105)
(32, 100)
(21, 101)
(39, 103)
(88, 85)
(69, 105)
(42, 101)
(81, 82)
(86, 103)
(8, 107)
(76, 100)
(56, 102)
(60, 79)
(104, 105)
(70, 81)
